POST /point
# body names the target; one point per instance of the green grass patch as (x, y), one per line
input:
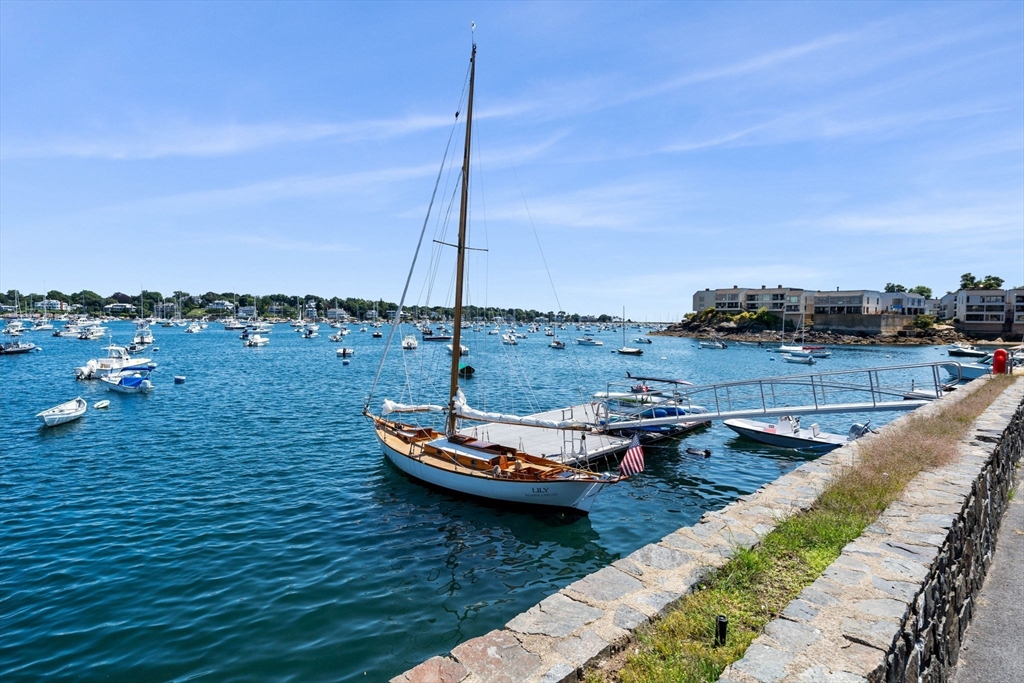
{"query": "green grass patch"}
(757, 584)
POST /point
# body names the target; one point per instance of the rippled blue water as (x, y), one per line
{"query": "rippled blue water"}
(244, 525)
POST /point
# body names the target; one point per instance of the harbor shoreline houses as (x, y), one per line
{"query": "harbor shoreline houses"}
(861, 314)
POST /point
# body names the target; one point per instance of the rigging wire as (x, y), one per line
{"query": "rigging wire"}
(554, 291)
(412, 268)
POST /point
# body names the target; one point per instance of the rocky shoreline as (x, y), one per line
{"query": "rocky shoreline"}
(729, 331)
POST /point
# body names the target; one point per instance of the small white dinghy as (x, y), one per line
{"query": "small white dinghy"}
(65, 412)
(101, 405)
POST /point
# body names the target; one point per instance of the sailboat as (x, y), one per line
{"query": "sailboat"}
(627, 350)
(465, 464)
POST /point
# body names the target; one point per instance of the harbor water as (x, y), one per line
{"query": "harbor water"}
(244, 526)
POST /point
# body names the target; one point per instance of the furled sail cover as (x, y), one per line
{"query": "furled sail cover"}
(464, 411)
(392, 407)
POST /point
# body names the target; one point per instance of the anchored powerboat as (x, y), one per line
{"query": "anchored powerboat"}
(787, 433)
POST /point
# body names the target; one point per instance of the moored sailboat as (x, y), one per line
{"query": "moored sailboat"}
(462, 463)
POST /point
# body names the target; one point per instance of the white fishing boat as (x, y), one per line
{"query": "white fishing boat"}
(712, 344)
(65, 412)
(409, 343)
(964, 349)
(130, 380)
(117, 359)
(256, 340)
(143, 336)
(68, 330)
(92, 332)
(587, 340)
(193, 328)
(14, 328)
(462, 463)
(463, 349)
(310, 332)
(345, 352)
(43, 325)
(232, 324)
(787, 433)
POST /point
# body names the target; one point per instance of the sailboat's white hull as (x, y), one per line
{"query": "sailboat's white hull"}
(577, 495)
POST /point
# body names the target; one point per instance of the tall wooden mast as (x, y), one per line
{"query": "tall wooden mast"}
(461, 257)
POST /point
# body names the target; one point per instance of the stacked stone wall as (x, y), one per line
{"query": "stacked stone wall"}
(894, 607)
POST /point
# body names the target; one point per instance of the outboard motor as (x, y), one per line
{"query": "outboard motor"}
(859, 430)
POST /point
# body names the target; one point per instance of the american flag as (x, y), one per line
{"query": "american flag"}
(633, 460)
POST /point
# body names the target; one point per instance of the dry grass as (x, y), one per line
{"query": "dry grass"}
(757, 584)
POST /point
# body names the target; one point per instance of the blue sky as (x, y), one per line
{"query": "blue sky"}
(655, 148)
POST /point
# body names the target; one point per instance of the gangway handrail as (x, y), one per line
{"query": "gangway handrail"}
(684, 396)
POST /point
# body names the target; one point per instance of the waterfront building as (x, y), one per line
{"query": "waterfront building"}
(221, 305)
(51, 305)
(116, 308)
(1015, 310)
(165, 309)
(246, 311)
(848, 302)
(777, 300)
(903, 303)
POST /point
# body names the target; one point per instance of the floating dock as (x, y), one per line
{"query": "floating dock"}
(566, 447)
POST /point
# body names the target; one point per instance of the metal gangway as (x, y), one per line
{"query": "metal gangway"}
(652, 401)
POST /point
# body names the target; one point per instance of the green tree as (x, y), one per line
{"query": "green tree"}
(926, 292)
(891, 287)
(991, 282)
(968, 281)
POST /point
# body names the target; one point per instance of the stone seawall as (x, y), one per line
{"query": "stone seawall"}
(894, 606)
(586, 621)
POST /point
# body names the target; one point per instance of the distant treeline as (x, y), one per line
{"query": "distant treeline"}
(284, 305)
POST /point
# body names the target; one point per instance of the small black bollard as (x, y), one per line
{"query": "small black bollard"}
(721, 628)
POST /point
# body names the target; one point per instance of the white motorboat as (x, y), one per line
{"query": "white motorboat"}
(970, 371)
(338, 336)
(310, 332)
(803, 360)
(65, 412)
(587, 340)
(463, 349)
(143, 336)
(117, 359)
(14, 328)
(409, 343)
(712, 344)
(101, 405)
(232, 324)
(345, 352)
(193, 328)
(129, 381)
(642, 340)
(256, 340)
(68, 330)
(92, 332)
(509, 338)
(787, 433)
(964, 349)
(557, 344)
(41, 326)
